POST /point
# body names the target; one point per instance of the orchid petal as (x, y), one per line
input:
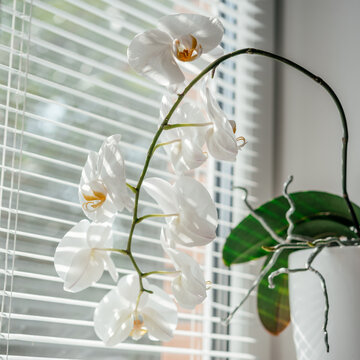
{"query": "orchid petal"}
(214, 110)
(214, 54)
(192, 154)
(150, 54)
(189, 114)
(191, 272)
(182, 235)
(98, 234)
(220, 140)
(110, 266)
(90, 170)
(128, 286)
(74, 240)
(184, 298)
(186, 154)
(166, 241)
(102, 213)
(102, 189)
(189, 288)
(221, 145)
(89, 182)
(157, 325)
(167, 102)
(113, 317)
(197, 220)
(193, 195)
(177, 88)
(86, 268)
(207, 31)
(76, 259)
(162, 192)
(160, 314)
(112, 173)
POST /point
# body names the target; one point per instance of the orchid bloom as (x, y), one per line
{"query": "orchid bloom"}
(79, 259)
(189, 286)
(103, 189)
(184, 143)
(220, 138)
(179, 37)
(121, 313)
(194, 217)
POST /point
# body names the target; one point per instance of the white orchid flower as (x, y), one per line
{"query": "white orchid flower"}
(79, 260)
(103, 189)
(221, 140)
(189, 286)
(194, 219)
(185, 143)
(119, 314)
(179, 37)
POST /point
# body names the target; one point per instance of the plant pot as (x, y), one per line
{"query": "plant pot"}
(341, 270)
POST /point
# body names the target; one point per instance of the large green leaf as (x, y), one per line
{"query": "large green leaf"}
(273, 304)
(317, 214)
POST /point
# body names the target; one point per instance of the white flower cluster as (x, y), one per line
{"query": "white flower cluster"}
(135, 306)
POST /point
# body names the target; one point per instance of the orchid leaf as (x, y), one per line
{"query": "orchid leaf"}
(317, 214)
(273, 304)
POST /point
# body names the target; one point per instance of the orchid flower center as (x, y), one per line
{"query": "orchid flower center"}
(240, 139)
(186, 48)
(94, 198)
(138, 330)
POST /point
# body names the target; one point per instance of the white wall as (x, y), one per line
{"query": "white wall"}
(322, 35)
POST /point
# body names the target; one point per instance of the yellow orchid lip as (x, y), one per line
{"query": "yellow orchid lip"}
(138, 330)
(93, 201)
(186, 48)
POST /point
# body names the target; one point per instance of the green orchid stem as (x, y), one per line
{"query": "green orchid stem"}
(174, 126)
(211, 68)
(123, 252)
(166, 143)
(139, 220)
(160, 273)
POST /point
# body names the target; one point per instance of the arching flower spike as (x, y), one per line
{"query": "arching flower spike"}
(195, 220)
(186, 143)
(79, 260)
(119, 314)
(103, 189)
(179, 37)
(221, 140)
(189, 287)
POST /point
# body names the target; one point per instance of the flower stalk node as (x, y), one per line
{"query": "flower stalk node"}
(132, 188)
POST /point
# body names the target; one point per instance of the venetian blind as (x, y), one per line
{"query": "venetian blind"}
(65, 86)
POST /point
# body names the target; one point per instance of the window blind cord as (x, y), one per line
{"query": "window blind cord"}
(3, 160)
(20, 156)
(13, 157)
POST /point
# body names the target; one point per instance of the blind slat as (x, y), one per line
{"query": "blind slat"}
(79, 90)
(124, 346)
